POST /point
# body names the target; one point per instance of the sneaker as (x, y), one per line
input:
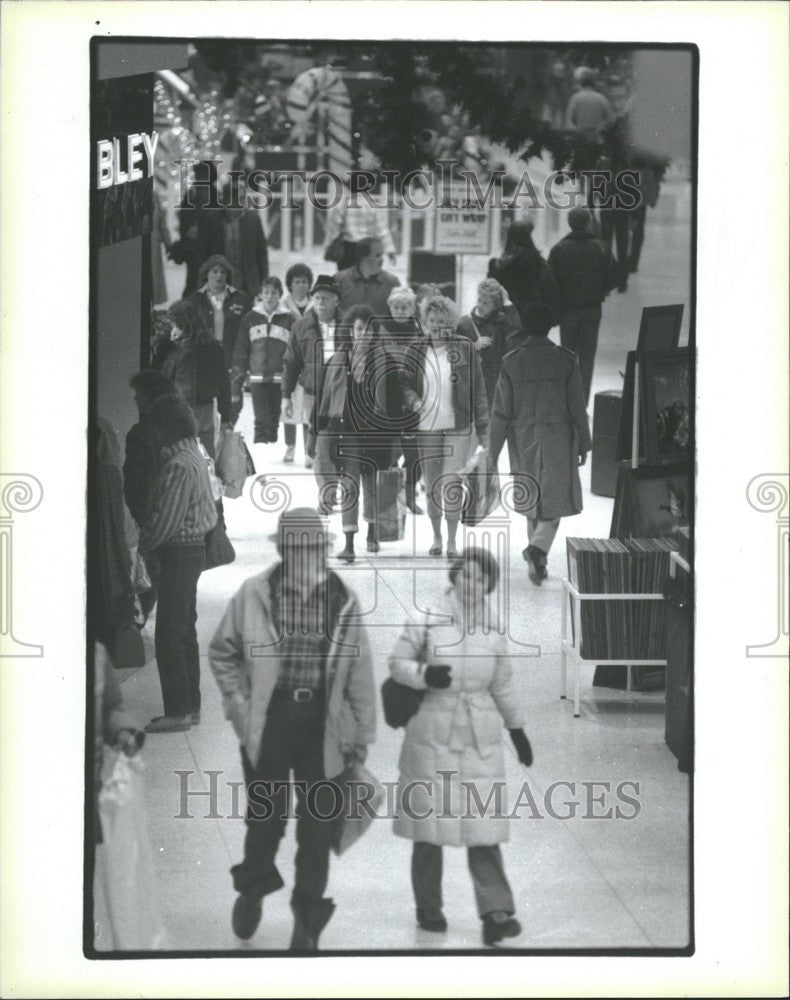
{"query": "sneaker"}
(288, 457)
(246, 916)
(437, 924)
(499, 925)
(169, 724)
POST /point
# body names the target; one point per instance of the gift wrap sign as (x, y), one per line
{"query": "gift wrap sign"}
(462, 230)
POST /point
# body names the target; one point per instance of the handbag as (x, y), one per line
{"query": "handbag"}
(399, 701)
(219, 549)
(127, 651)
(391, 510)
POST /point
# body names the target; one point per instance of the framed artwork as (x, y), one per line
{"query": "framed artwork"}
(666, 404)
(624, 436)
(652, 502)
(659, 329)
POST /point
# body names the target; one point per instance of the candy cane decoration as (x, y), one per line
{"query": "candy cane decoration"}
(320, 95)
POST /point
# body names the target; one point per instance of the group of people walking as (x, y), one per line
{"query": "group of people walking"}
(375, 373)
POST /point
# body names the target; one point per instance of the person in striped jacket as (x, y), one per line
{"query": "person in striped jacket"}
(180, 512)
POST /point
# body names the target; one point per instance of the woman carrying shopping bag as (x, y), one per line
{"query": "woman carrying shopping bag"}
(452, 765)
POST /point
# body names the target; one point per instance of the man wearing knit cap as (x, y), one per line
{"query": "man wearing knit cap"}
(585, 273)
(294, 667)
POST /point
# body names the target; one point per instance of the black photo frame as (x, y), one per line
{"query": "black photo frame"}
(659, 328)
(652, 501)
(667, 404)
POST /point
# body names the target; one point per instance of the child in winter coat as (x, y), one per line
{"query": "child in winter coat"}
(259, 351)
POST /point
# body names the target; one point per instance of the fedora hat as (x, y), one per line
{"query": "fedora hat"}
(304, 526)
(325, 283)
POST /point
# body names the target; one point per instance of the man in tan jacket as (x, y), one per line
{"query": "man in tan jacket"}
(296, 677)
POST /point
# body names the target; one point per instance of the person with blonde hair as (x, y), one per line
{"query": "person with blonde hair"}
(401, 330)
(443, 386)
(488, 325)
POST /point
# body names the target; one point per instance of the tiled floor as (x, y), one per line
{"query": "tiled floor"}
(579, 882)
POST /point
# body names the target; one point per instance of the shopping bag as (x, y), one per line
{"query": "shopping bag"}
(480, 488)
(231, 463)
(127, 913)
(355, 819)
(390, 508)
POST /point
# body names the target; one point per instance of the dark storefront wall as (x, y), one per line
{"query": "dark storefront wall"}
(122, 104)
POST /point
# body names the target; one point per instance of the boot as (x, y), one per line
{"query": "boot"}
(348, 555)
(499, 925)
(309, 920)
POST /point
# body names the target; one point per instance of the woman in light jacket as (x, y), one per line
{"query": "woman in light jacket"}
(443, 387)
(452, 763)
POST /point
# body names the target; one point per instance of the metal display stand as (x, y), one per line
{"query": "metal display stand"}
(571, 647)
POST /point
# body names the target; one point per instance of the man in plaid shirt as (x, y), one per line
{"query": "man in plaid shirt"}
(181, 510)
(294, 667)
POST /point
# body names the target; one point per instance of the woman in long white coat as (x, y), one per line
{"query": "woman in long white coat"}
(452, 768)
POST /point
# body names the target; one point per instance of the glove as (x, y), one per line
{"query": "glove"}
(522, 745)
(438, 676)
(357, 755)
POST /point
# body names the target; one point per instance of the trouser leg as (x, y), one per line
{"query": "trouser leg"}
(492, 889)
(588, 322)
(541, 533)
(325, 469)
(315, 812)
(637, 237)
(351, 480)
(426, 878)
(267, 805)
(266, 407)
(569, 330)
(411, 463)
(177, 586)
(191, 641)
(289, 432)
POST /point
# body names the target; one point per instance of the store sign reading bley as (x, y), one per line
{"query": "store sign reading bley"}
(118, 162)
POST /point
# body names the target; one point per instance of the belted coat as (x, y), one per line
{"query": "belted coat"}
(452, 757)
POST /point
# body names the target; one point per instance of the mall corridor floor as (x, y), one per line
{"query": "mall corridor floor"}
(579, 882)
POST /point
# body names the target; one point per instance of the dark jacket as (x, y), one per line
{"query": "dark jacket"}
(254, 249)
(527, 278)
(469, 394)
(303, 361)
(178, 362)
(365, 413)
(498, 325)
(584, 268)
(234, 308)
(373, 291)
(140, 467)
(260, 347)
(213, 381)
(539, 409)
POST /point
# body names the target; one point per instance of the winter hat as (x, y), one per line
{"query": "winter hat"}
(325, 283)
